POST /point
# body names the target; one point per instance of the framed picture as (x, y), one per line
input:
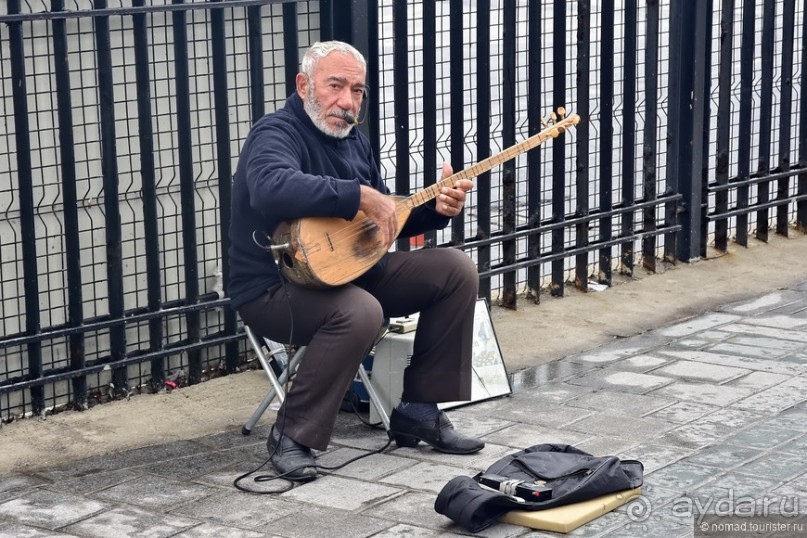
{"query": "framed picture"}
(489, 377)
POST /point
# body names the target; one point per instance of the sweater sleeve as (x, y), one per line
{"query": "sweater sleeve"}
(279, 186)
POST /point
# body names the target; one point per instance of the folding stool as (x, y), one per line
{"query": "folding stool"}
(277, 353)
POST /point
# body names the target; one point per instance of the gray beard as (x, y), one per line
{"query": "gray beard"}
(314, 111)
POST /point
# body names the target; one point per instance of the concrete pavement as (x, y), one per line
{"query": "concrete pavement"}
(715, 407)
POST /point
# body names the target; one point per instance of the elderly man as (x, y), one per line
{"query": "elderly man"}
(307, 159)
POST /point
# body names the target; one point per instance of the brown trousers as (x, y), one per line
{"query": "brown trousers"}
(339, 326)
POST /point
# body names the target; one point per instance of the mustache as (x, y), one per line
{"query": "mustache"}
(345, 115)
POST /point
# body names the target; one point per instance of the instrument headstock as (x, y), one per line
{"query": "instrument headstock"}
(558, 123)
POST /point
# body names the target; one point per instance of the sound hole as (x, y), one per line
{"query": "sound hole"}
(287, 260)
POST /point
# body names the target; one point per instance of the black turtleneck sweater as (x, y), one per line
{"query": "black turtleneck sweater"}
(289, 169)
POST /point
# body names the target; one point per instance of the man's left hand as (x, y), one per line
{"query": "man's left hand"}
(451, 200)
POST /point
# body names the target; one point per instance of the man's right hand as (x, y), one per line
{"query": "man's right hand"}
(381, 210)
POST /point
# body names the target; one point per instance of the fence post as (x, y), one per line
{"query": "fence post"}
(688, 62)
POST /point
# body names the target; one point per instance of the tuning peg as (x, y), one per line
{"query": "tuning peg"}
(562, 112)
(553, 116)
(543, 122)
(554, 133)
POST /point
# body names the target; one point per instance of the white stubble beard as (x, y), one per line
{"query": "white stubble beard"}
(313, 108)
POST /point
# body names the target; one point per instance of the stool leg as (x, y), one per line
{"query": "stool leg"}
(375, 400)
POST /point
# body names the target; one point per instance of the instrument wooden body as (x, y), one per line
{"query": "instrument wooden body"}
(322, 252)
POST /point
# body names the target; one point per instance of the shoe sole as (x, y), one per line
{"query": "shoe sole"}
(405, 440)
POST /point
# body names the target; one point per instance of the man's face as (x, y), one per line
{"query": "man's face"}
(336, 86)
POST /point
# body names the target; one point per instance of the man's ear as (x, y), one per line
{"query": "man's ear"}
(302, 85)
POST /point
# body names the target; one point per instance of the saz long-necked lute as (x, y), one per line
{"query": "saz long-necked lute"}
(321, 252)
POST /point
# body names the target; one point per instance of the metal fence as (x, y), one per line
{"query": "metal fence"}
(123, 121)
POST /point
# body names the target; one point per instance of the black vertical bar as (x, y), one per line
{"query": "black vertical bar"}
(186, 187)
(373, 104)
(291, 46)
(705, 121)
(650, 127)
(343, 19)
(456, 58)
(149, 193)
(429, 102)
(509, 295)
(801, 205)
(483, 137)
(606, 138)
(785, 113)
(765, 110)
(26, 188)
(724, 122)
(109, 170)
(75, 307)
(629, 135)
(558, 147)
(534, 105)
(584, 108)
(224, 163)
(256, 81)
(400, 60)
(746, 109)
(326, 30)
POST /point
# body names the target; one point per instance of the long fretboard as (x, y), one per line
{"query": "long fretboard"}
(551, 131)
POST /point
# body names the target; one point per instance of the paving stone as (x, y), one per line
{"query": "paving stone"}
(682, 412)
(758, 380)
(681, 476)
(696, 434)
(763, 342)
(778, 466)
(155, 492)
(641, 363)
(624, 381)
(731, 418)
(762, 436)
(362, 494)
(14, 530)
(49, 509)
(794, 418)
(130, 523)
(233, 508)
(779, 322)
(478, 461)
(765, 303)
(754, 352)
(191, 466)
(723, 456)
(371, 467)
(776, 398)
(87, 485)
(605, 355)
(701, 323)
(523, 435)
(405, 531)
(624, 426)
(770, 332)
(693, 343)
(16, 484)
(700, 371)
(702, 393)
(796, 446)
(409, 507)
(551, 393)
(620, 403)
(605, 446)
(534, 410)
(654, 456)
(660, 526)
(599, 526)
(426, 476)
(761, 365)
(211, 530)
(550, 372)
(732, 486)
(321, 522)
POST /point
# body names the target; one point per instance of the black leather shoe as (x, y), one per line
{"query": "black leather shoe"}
(440, 434)
(291, 459)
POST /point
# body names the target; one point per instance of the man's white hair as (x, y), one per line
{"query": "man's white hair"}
(320, 49)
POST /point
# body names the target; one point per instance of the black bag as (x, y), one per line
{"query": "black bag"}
(573, 475)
